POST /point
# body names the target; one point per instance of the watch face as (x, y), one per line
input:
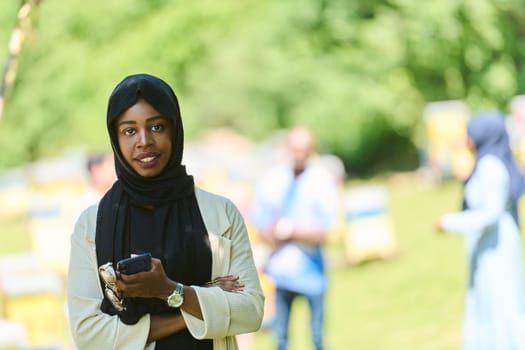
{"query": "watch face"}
(175, 300)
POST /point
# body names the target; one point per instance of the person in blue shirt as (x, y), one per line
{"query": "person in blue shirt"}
(494, 306)
(295, 207)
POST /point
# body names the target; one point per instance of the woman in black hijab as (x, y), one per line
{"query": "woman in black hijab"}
(193, 236)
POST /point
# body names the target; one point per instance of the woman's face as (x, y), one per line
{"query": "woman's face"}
(144, 138)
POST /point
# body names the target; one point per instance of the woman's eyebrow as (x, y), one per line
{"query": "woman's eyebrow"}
(127, 122)
(155, 118)
(148, 120)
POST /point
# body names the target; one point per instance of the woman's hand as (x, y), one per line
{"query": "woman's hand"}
(150, 284)
(228, 283)
(156, 284)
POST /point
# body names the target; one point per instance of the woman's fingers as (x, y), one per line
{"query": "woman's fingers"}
(228, 283)
(147, 284)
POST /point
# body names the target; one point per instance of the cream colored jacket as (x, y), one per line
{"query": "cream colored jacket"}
(224, 314)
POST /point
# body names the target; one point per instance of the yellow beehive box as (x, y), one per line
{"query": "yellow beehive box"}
(370, 233)
(35, 299)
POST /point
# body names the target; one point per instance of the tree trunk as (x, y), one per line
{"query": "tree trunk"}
(19, 36)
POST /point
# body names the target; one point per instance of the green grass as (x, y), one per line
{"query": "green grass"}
(411, 301)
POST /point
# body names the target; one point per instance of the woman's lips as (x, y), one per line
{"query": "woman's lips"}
(147, 160)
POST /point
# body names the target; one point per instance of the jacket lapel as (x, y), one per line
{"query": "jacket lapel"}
(218, 226)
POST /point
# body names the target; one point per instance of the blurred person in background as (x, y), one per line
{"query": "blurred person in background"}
(294, 209)
(495, 302)
(202, 288)
(101, 170)
(101, 176)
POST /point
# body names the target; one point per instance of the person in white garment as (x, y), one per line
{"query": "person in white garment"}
(495, 302)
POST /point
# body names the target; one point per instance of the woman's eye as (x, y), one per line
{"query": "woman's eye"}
(157, 127)
(129, 132)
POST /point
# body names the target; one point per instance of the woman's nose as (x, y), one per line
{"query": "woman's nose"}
(144, 138)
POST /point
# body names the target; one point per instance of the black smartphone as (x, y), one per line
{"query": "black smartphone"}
(138, 263)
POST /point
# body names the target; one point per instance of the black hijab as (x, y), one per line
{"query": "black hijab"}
(173, 183)
(171, 194)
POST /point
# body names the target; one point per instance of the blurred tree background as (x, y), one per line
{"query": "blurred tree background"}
(358, 72)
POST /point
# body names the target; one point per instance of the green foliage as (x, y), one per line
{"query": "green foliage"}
(359, 73)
